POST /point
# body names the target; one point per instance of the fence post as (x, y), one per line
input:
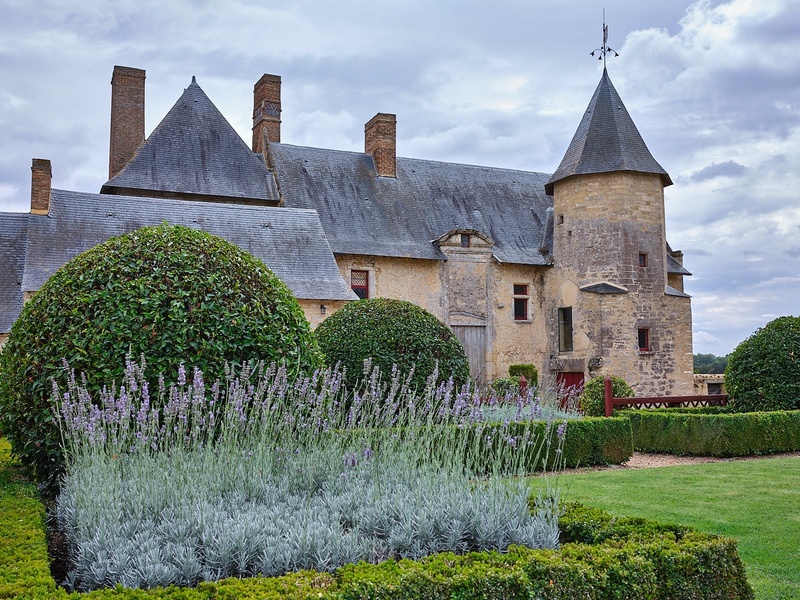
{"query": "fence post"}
(608, 395)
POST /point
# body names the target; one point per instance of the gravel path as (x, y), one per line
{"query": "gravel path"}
(641, 460)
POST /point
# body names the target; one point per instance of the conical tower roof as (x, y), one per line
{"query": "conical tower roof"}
(606, 141)
(194, 152)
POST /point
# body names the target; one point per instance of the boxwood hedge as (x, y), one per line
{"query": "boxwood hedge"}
(763, 371)
(172, 294)
(391, 332)
(713, 431)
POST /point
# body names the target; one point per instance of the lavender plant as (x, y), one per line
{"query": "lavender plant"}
(284, 476)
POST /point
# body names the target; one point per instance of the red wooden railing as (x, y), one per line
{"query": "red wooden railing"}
(656, 401)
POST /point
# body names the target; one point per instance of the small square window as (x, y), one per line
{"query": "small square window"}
(644, 340)
(565, 329)
(521, 302)
(465, 241)
(359, 283)
(642, 259)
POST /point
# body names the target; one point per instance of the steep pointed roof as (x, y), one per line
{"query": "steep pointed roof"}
(606, 141)
(194, 153)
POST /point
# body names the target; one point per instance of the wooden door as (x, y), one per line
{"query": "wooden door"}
(569, 385)
(473, 338)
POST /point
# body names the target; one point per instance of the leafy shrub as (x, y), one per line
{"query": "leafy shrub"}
(711, 431)
(530, 372)
(391, 332)
(763, 371)
(505, 387)
(592, 400)
(172, 293)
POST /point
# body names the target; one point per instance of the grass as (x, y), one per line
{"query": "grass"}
(756, 502)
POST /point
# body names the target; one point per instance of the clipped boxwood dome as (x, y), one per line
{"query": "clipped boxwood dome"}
(763, 372)
(173, 294)
(391, 332)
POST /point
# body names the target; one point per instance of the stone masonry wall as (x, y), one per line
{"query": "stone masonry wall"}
(603, 224)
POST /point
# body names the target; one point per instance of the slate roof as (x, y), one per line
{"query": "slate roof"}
(674, 267)
(14, 228)
(606, 140)
(194, 151)
(291, 242)
(671, 291)
(604, 288)
(402, 217)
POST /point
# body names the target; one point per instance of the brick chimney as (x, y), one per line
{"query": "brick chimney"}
(380, 140)
(266, 110)
(41, 184)
(127, 116)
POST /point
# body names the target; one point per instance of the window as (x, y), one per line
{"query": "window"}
(465, 240)
(359, 283)
(644, 340)
(565, 329)
(642, 259)
(521, 302)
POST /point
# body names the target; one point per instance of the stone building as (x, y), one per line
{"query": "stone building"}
(569, 271)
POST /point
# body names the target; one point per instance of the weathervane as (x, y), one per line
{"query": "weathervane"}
(604, 49)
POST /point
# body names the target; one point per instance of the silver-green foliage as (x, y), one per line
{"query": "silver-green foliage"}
(281, 482)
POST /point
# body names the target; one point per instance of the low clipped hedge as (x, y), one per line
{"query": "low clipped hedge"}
(598, 441)
(587, 442)
(714, 432)
(602, 557)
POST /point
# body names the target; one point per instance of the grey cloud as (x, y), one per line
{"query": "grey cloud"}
(729, 168)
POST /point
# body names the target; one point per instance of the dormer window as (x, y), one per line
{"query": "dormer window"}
(465, 240)
(359, 283)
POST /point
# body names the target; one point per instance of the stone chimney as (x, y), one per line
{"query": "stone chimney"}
(380, 140)
(266, 111)
(41, 184)
(127, 116)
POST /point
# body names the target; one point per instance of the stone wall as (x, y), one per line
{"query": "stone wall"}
(609, 236)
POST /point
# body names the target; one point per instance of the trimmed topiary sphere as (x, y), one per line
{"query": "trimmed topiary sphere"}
(172, 294)
(592, 401)
(391, 332)
(763, 371)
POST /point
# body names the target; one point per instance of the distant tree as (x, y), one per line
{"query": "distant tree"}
(709, 363)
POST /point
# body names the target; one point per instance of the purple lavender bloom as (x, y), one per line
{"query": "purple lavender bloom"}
(562, 430)
(181, 374)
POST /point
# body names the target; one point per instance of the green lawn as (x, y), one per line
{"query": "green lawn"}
(756, 502)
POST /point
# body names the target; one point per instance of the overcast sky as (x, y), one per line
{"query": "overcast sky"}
(714, 88)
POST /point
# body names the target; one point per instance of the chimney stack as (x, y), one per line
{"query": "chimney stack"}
(380, 140)
(266, 111)
(41, 184)
(127, 116)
